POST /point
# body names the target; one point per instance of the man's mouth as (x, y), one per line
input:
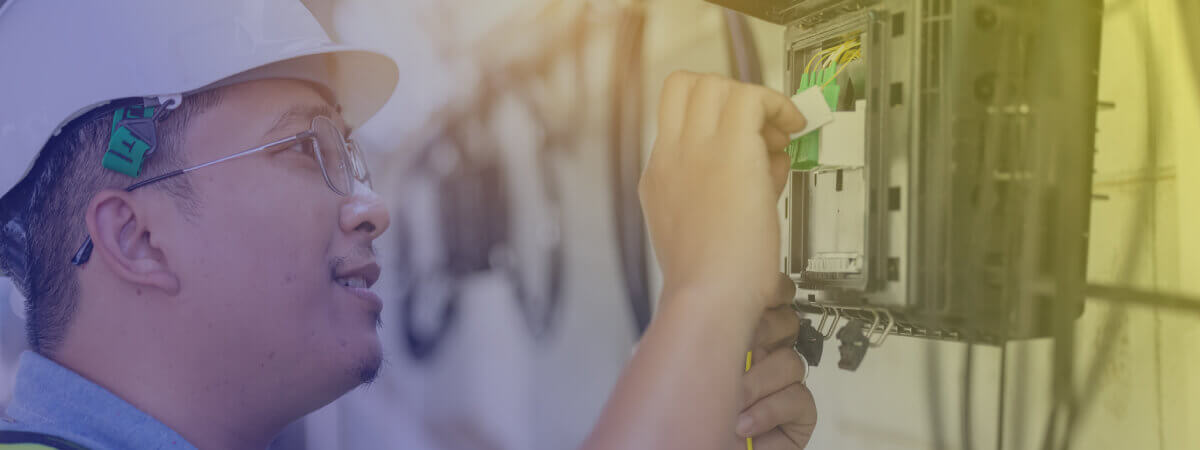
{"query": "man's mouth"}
(358, 279)
(352, 282)
(362, 275)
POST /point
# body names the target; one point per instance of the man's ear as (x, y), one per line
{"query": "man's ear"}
(120, 230)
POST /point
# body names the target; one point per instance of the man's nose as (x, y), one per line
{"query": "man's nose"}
(364, 211)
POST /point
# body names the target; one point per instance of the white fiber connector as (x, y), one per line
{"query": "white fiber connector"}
(811, 103)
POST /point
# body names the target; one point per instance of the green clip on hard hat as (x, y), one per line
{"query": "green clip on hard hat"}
(166, 48)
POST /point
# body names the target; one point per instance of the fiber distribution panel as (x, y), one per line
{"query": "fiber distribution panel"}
(950, 196)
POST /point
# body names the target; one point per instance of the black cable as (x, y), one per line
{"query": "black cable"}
(744, 62)
(1134, 296)
(540, 307)
(1190, 9)
(1080, 401)
(421, 344)
(1076, 25)
(965, 415)
(1000, 396)
(475, 203)
(625, 161)
(626, 136)
(933, 384)
(433, 287)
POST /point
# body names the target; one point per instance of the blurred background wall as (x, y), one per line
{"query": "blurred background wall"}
(508, 315)
(1134, 372)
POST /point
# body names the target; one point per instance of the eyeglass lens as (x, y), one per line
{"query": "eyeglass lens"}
(343, 163)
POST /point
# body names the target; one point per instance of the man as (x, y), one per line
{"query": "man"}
(192, 228)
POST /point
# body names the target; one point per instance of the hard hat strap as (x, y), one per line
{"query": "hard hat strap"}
(134, 134)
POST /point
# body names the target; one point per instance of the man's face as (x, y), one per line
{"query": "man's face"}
(265, 260)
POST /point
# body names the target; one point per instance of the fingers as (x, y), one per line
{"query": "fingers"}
(707, 100)
(673, 104)
(771, 440)
(781, 165)
(781, 162)
(780, 112)
(692, 102)
(753, 108)
(778, 327)
(778, 371)
(800, 429)
(776, 140)
(792, 409)
(785, 290)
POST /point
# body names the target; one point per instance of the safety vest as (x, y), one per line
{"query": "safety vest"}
(28, 440)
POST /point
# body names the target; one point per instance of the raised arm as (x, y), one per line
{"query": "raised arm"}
(709, 193)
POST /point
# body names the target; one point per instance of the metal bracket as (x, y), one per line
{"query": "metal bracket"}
(891, 323)
(877, 331)
(832, 326)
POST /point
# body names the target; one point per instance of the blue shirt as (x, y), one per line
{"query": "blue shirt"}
(52, 399)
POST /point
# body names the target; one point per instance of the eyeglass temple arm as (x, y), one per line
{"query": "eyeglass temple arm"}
(85, 251)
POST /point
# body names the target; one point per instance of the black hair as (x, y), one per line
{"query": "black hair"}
(41, 236)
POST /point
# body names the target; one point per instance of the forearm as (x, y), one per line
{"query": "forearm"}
(709, 192)
(681, 388)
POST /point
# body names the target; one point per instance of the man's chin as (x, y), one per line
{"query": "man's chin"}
(362, 359)
(368, 368)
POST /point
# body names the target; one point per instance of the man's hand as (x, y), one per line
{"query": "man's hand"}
(711, 187)
(778, 410)
(709, 193)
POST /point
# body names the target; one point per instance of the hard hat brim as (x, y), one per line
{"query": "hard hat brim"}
(361, 80)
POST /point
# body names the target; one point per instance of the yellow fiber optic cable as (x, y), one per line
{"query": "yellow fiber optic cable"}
(749, 441)
(834, 77)
(842, 50)
(842, 54)
(818, 55)
(851, 58)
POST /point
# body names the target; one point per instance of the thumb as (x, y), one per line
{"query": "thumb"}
(785, 291)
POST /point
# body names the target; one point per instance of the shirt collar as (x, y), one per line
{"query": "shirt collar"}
(50, 395)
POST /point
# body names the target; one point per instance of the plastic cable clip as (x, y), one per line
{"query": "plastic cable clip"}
(134, 134)
(131, 138)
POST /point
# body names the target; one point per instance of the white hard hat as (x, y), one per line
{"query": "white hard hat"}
(60, 59)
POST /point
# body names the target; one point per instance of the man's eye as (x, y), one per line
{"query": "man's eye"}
(306, 148)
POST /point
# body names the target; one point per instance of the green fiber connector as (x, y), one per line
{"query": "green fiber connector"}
(805, 151)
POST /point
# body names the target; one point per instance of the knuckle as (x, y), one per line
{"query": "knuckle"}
(796, 366)
(746, 92)
(741, 106)
(713, 83)
(680, 77)
(764, 323)
(790, 394)
(767, 411)
(711, 79)
(770, 442)
(780, 315)
(799, 392)
(748, 394)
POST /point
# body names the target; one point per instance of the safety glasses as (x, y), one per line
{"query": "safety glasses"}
(341, 162)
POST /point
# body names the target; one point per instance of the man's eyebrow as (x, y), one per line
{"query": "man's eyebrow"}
(304, 114)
